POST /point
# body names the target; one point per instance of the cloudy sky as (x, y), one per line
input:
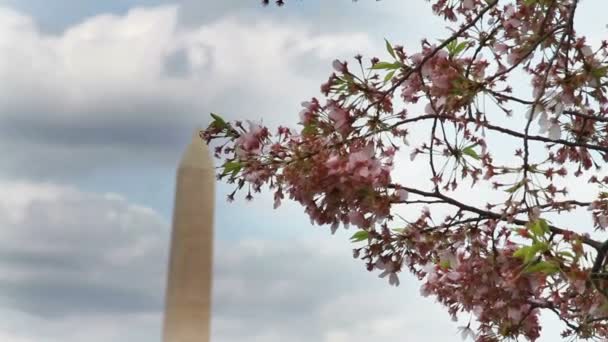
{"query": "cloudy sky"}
(97, 101)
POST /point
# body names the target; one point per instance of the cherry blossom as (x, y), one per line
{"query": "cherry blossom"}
(498, 262)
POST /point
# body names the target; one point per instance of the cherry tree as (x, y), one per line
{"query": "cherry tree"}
(449, 104)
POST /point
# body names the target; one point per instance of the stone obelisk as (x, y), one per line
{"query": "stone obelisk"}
(188, 296)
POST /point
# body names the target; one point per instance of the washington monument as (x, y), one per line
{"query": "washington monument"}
(188, 296)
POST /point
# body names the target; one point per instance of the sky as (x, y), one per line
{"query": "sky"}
(98, 100)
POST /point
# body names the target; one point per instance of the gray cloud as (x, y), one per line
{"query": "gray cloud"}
(314, 291)
(72, 252)
(134, 86)
(66, 254)
(177, 64)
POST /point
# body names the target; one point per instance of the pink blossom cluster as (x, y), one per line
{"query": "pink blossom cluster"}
(346, 186)
(503, 262)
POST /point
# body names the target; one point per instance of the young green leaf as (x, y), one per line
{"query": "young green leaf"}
(445, 264)
(600, 72)
(522, 252)
(527, 253)
(389, 76)
(309, 128)
(451, 46)
(459, 48)
(515, 187)
(218, 122)
(232, 168)
(342, 87)
(359, 236)
(542, 267)
(390, 49)
(386, 65)
(536, 228)
(543, 224)
(537, 247)
(469, 151)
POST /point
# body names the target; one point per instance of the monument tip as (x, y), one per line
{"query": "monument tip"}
(197, 153)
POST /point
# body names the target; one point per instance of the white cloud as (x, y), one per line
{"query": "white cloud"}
(113, 85)
(20, 327)
(312, 290)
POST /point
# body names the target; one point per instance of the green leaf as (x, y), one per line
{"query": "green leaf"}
(527, 253)
(309, 128)
(342, 87)
(454, 47)
(522, 252)
(348, 78)
(537, 247)
(566, 254)
(536, 228)
(360, 236)
(600, 72)
(389, 76)
(459, 48)
(515, 187)
(218, 121)
(469, 151)
(542, 267)
(539, 227)
(543, 224)
(232, 168)
(451, 46)
(390, 49)
(386, 65)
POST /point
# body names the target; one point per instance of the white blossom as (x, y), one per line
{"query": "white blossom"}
(339, 66)
(544, 123)
(402, 194)
(603, 221)
(559, 108)
(534, 111)
(586, 50)
(466, 332)
(555, 132)
(389, 269)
